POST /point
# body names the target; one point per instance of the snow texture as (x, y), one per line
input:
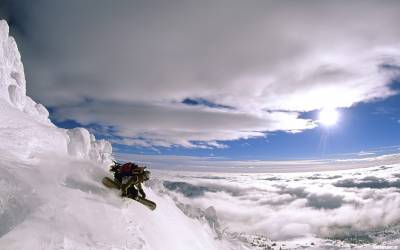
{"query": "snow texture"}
(51, 196)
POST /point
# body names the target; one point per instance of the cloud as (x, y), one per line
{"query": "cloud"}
(293, 205)
(368, 182)
(186, 189)
(326, 201)
(319, 177)
(298, 192)
(363, 153)
(226, 165)
(256, 58)
(144, 124)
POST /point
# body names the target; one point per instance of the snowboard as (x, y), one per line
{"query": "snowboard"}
(108, 182)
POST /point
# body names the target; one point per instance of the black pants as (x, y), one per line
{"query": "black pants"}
(133, 192)
(118, 177)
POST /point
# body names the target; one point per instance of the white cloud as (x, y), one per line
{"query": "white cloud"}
(295, 205)
(257, 57)
(224, 165)
(364, 153)
(144, 124)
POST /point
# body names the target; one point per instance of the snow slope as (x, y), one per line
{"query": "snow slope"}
(51, 196)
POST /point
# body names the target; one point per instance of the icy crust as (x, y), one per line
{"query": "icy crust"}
(33, 131)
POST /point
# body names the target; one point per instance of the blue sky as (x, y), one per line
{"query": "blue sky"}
(362, 131)
(200, 79)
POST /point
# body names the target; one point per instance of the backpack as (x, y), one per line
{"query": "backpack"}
(128, 167)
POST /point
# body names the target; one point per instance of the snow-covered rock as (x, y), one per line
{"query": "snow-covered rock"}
(84, 145)
(78, 142)
(12, 78)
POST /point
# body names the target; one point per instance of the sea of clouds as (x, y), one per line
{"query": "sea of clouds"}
(355, 206)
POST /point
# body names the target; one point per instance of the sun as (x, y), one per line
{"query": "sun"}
(328, 116)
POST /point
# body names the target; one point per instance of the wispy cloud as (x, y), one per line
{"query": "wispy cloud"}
(218, 164)
(364, 153)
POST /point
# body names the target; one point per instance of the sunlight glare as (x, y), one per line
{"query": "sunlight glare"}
(328, 116)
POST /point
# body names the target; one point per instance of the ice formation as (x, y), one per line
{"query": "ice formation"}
(76, 142)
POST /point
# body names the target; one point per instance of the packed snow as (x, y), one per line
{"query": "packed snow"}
(51, 195)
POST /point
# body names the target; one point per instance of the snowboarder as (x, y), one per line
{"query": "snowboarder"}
(129, 178)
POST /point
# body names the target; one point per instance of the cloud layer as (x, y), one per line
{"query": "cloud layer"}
(351, 206)
(131, 65)
(166, 125)
(225, 165)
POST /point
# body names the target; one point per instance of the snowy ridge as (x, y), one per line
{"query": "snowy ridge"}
(51, 196)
